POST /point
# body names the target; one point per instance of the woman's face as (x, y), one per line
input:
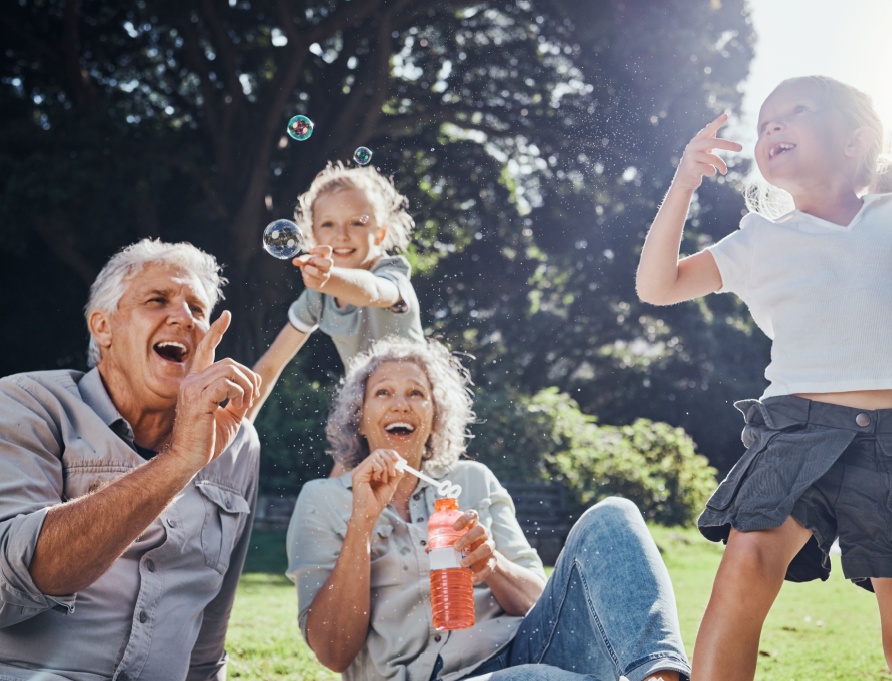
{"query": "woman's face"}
(398, 410)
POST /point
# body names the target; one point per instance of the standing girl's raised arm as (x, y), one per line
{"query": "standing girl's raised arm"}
(662, 278)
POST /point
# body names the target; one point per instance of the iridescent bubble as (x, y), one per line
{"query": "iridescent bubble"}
(362, 155)
(283, 239)
(300, 128)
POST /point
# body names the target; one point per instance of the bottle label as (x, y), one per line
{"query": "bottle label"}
(445, 558)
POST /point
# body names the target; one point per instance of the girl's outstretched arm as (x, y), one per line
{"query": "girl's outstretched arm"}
(662, 278)
(273, 361)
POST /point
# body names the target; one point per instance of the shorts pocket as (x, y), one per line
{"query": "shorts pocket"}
(225, 509)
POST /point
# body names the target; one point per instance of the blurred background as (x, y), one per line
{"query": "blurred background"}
(535, 140)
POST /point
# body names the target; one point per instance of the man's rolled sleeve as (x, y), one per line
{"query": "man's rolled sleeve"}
(20, 599)
(30, 483)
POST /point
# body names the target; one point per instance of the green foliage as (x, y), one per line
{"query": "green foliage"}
(291, 426)
(547, 436)
(653, 464)
(533, 138)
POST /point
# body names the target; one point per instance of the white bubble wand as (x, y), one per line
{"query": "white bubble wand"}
(444, 489)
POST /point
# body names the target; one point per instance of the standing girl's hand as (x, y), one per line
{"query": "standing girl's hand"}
(374, 481)
(698, 158)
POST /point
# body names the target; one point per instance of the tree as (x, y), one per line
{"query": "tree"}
(533, 137)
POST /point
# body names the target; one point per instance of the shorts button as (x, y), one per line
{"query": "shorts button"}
(862, 420)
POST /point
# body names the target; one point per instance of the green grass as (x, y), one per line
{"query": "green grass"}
(818, 631)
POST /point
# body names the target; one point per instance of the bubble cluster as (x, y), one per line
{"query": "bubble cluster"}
(362, 155)
(283, 239)
(300, 128)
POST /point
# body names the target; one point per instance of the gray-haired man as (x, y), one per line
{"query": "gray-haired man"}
(125, 492)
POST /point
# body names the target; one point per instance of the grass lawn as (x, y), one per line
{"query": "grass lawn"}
(818, 631)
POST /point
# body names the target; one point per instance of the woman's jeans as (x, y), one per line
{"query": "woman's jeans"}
(607, 612)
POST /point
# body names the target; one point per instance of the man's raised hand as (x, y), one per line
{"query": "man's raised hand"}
(203, 427)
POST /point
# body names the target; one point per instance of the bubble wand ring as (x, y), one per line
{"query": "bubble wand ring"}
(444, 489)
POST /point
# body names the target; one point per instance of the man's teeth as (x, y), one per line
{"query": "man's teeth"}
(400, 428)
(781, 148)
(171, 350)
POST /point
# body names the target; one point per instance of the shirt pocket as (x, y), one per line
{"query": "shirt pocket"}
(225, 510)
(387, 560)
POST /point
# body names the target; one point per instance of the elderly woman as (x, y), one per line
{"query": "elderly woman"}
(357, 551)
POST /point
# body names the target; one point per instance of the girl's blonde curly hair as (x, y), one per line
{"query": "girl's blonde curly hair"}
(391, 207)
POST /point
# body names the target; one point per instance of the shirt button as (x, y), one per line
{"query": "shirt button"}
(150, 565)
(438, 638)
(171, 522)
(143, 616)
(123, 677)
(416, 497)
(228, 505)
(419, 520)
(423, 542)
(862, 420)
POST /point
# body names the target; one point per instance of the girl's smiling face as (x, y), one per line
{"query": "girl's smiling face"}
(802, 141)
(345, 220)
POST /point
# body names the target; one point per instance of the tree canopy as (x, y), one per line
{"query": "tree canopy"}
(534, 138)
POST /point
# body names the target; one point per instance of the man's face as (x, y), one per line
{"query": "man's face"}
(148, 343)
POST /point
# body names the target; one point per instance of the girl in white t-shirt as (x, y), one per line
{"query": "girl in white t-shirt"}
(818, 282)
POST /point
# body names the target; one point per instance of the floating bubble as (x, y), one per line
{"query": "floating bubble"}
(283, 239)
(300, 128)
(362, 155)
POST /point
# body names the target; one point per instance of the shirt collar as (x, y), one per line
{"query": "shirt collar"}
(95, 396)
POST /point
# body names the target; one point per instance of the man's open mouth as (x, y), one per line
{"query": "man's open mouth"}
(171, 351)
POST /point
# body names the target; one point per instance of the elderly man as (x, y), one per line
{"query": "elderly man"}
(125, 492)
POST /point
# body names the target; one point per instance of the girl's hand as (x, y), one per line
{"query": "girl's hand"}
(478, 546)
(698, 158)
(315, 267)
(374, 482)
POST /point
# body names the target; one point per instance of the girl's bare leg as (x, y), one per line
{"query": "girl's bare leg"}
(883, 589)
(748, 580)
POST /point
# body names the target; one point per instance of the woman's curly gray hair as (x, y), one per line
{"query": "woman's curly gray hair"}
(451, 397)
(391, 207)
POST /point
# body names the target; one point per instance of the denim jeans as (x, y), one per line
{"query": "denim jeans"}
(607, 612)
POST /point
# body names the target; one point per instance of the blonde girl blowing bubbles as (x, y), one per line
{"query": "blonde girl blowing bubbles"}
(818, 282)
(355, 291)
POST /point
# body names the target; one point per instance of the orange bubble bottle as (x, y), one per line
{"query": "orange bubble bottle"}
(452, 590)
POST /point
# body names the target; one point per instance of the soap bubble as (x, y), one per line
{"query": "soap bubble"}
(300, 128)
(362, 156)
(283, 239)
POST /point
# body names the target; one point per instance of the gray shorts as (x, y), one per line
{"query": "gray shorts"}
(827, 466)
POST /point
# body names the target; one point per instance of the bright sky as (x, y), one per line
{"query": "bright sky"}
(845, 39)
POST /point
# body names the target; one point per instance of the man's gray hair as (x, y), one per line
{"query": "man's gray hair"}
(450, 394)
(106, 291)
